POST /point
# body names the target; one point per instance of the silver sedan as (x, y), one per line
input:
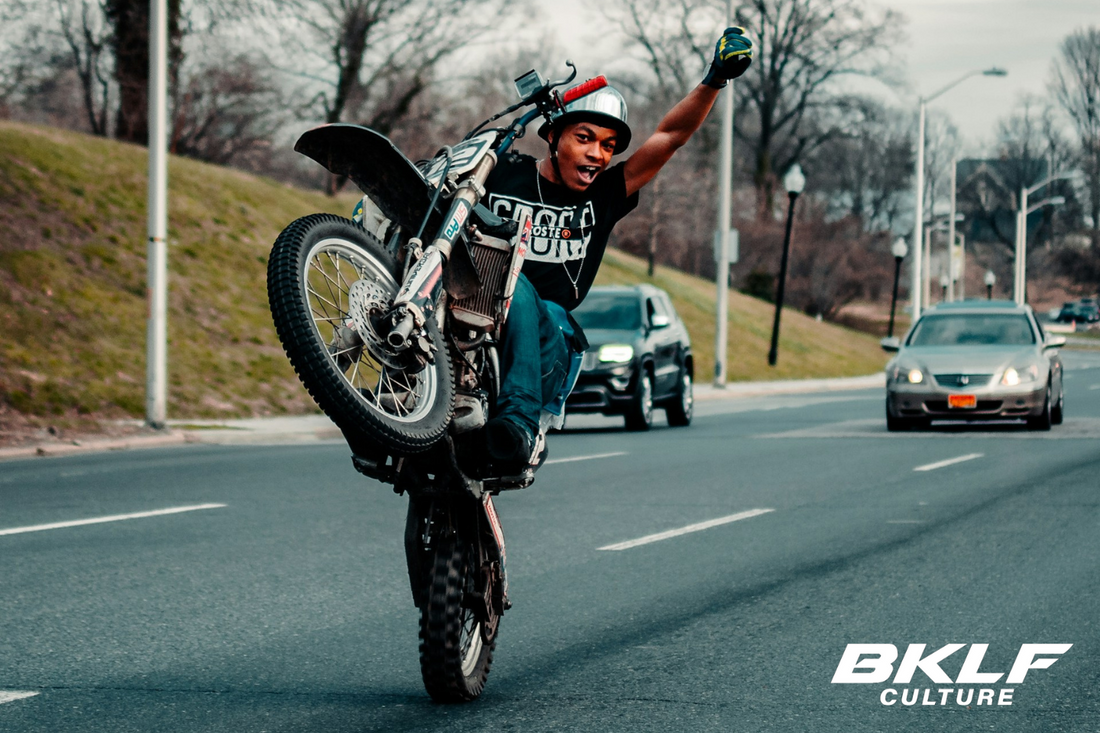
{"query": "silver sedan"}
(975, 360)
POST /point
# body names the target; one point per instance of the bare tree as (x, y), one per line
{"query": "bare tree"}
(788, 100)
(226, 112)
(129, 20)
(866, 169)
(87, 36)
(1077, 88)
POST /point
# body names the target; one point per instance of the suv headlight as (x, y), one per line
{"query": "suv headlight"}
(616, 353)
(1023, 375)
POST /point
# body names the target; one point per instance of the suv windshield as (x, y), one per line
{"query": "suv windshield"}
(973, 329)
(610, 311)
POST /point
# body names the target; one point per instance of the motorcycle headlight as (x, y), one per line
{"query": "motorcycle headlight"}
(1014, 376)
(616, 353)
(915, 376)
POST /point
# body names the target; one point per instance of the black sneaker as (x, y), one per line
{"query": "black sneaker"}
(509, 446)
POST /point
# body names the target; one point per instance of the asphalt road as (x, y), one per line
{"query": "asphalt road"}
(279, 600)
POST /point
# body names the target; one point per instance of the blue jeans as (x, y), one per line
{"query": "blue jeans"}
(533, 359)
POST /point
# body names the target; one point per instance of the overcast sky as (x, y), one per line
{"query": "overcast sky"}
(946, 39)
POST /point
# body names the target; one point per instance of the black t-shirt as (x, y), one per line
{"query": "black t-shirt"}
(569, 228)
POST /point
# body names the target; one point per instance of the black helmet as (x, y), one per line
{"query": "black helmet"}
(604, 107)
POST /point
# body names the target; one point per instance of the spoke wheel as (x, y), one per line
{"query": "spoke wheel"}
(326, 277)
(456, 649)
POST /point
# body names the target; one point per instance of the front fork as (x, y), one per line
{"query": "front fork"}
(422, 288)
(430, 520)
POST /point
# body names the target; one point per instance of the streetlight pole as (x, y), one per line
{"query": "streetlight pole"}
(951, 274)
(1020, 273)
(794, 182)
(156, 330)
(990, 281)
(725, 185)
(899, 250)
(917, 289)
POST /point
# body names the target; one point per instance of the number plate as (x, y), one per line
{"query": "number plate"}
(964, 401)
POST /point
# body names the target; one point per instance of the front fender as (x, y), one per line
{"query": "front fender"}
(376, 166)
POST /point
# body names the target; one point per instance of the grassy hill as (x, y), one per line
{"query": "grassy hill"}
(72, 289)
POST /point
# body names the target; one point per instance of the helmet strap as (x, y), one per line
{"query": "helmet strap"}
(554, 155)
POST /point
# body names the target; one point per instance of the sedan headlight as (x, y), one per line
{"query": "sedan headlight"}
(915, 376)
(1023, 375)
(616, 353)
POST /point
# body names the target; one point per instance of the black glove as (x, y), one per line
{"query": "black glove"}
(732, 56)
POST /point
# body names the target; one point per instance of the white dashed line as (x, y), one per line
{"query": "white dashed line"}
(949, 462)
(113, 518)
(1095, 386)
(585, 458)
(12, 696)
(685, 530)
(905, 521)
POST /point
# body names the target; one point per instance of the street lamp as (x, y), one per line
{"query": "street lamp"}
(990, 281)
(899, 250)
(917, 288)
(1020, 283)
(794, 182)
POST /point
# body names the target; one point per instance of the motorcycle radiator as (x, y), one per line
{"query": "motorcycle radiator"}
(491, 257)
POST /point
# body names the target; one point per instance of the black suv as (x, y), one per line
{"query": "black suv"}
(639, 357)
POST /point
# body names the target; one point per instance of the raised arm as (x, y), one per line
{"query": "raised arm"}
(732, 56)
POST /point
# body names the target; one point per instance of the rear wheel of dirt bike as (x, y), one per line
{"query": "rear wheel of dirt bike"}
(325, 279)
(456, 649)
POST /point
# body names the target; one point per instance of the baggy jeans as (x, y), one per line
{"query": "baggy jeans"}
(534, 359)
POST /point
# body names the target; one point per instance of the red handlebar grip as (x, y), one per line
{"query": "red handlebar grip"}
(584, 88)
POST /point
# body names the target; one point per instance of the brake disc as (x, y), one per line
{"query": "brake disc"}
(368, 301)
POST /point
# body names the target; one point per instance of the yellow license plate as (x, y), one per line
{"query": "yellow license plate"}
(964, 401)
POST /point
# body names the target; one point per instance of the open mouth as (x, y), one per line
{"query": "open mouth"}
(587, 173)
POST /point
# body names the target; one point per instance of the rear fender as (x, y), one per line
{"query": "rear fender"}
(377, 167)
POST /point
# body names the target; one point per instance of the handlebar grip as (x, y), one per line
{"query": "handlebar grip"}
(584, 88)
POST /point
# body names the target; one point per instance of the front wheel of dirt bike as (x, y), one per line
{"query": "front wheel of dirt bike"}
(456, 649)
(342, 362)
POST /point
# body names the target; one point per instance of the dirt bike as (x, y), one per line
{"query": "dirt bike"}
(396, 338)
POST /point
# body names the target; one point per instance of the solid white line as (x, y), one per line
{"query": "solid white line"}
(6, 696)
(113, 518)
(685, 530)
(585, 458)
(949, 462)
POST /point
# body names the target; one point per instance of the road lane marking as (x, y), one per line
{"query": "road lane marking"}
(112, 518)
(1095, 386)
(905, 521)
(12, 695)
(586, 458)
(949, 462)
(684, 530)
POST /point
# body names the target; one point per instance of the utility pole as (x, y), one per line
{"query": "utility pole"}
(156, 345)
(725, 186)
(952, 275)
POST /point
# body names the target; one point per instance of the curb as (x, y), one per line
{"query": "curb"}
(47, 450)
(736, 390)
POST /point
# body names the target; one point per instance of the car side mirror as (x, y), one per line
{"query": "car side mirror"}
(891, 344)
(659, 321)
(1054, 342)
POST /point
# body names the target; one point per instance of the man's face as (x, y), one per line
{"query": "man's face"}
(584, 150)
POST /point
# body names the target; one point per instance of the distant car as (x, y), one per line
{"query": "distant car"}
(639, 357)
(975, 360)
(1085, 310)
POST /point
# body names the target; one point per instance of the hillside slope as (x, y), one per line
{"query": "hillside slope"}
(72, 288)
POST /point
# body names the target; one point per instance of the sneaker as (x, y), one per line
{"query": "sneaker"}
(508, 444)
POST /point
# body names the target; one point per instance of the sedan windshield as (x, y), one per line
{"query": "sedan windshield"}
(610, 311)
(973, 329)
